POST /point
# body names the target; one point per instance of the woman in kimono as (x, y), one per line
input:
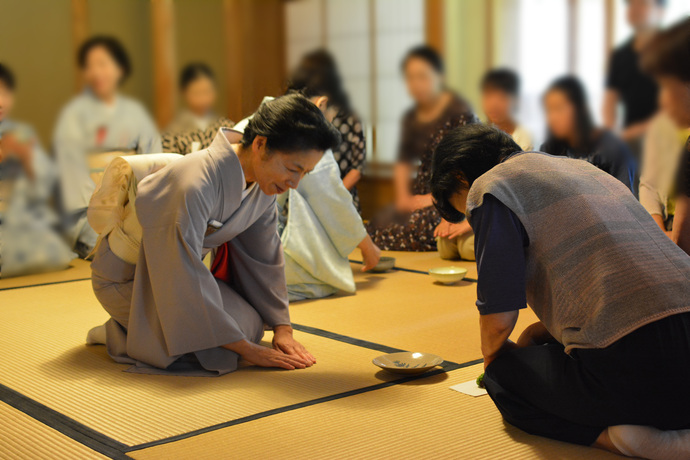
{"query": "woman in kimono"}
(412, 224)
(572, 132)
(168, 311)
(98, 120)
(196, 125)
(318, 223)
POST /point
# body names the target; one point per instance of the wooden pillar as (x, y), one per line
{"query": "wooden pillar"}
(80, 32)
(255, 53)
(434, 30)
(488, 34)
(609, 25)
(163, 41)
(573, 24)
(373, 78)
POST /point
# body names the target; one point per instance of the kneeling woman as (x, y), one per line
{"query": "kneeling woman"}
(168, 311)
(607, 365)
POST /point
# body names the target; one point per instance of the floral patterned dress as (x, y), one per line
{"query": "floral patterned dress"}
(352, 151)
(392, 231)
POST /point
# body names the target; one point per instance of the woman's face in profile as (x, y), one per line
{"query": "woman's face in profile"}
(101, 73)
(560, 114)
(424, 83)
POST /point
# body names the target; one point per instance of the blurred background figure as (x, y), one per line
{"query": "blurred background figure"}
(500, 93)
(436, 111)
(572, 132)
(196, 124)
(626, 84)
(98, 120)
(667, 58)
(28, 240)
(320, 66)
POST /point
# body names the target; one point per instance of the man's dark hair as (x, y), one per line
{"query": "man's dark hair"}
(194, 71)
(668, 54)
(7, 77)
(462, 156)
(427, 54)
(291, 123)
(504, 80)
(114, 49)
(317, 75)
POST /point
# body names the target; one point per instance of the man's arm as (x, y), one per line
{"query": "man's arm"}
(681, 223)
(610, 109)
(495, 329)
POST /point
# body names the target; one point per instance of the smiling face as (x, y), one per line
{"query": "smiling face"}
(275, 172)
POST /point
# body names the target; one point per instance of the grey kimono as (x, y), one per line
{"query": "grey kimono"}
(168, 311)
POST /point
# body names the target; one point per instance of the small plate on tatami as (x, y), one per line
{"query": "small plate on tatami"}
(407, 362)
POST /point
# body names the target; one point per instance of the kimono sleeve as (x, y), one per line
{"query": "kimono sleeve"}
(172, 286)
(257, 268)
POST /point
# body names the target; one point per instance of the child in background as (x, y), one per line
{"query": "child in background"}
(500, 92)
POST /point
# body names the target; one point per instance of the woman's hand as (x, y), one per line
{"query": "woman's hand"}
(535, 334)
(371, 254)
(284, 342)
(264, 356)
(447, 230)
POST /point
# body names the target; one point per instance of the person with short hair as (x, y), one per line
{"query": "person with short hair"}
(100, 119)
(667, 58)
(500, 92)
(169, 314)
(606, 364)
(196, 124)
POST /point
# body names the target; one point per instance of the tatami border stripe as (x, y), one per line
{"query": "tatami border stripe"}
(409, 270)
(447, 367)
(63, 424)
(43, 284)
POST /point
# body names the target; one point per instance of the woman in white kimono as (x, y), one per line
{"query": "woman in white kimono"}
(168, 310)
(97, 120)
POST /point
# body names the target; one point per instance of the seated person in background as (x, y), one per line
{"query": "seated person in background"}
(412, 224)
(196, 125)
(571, 132)
(500, 92)
(351, 154)
(607, 364)
(663, 147)
(318, 223)
(168, 312)
(667, 58)
(98, 120)
(29, 241)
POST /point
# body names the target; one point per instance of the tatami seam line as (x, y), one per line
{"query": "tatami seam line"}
(410, 270)
(43, 284)
(117, 450)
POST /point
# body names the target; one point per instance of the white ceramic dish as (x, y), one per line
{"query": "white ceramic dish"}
(407, 362)
(448, 275)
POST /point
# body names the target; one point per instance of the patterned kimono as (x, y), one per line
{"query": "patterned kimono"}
(189, 133)
(392, 231)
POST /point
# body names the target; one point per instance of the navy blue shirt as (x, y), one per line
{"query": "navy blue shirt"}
(500, 243)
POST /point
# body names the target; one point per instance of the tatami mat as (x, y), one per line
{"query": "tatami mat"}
(42, 333)
(405, 310)
(79, 269)
(421, 419)
(421, 261)
(25, 438)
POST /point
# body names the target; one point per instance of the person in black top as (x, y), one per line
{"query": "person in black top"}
(625, 82)
(667, 58)
(572, 133)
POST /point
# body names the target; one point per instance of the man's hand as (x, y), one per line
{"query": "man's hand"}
(535, 334)
(284, 342)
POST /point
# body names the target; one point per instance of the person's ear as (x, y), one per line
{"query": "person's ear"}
(259, 145)
(322, 103)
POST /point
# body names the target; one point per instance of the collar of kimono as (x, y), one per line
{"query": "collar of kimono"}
(230, 169)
